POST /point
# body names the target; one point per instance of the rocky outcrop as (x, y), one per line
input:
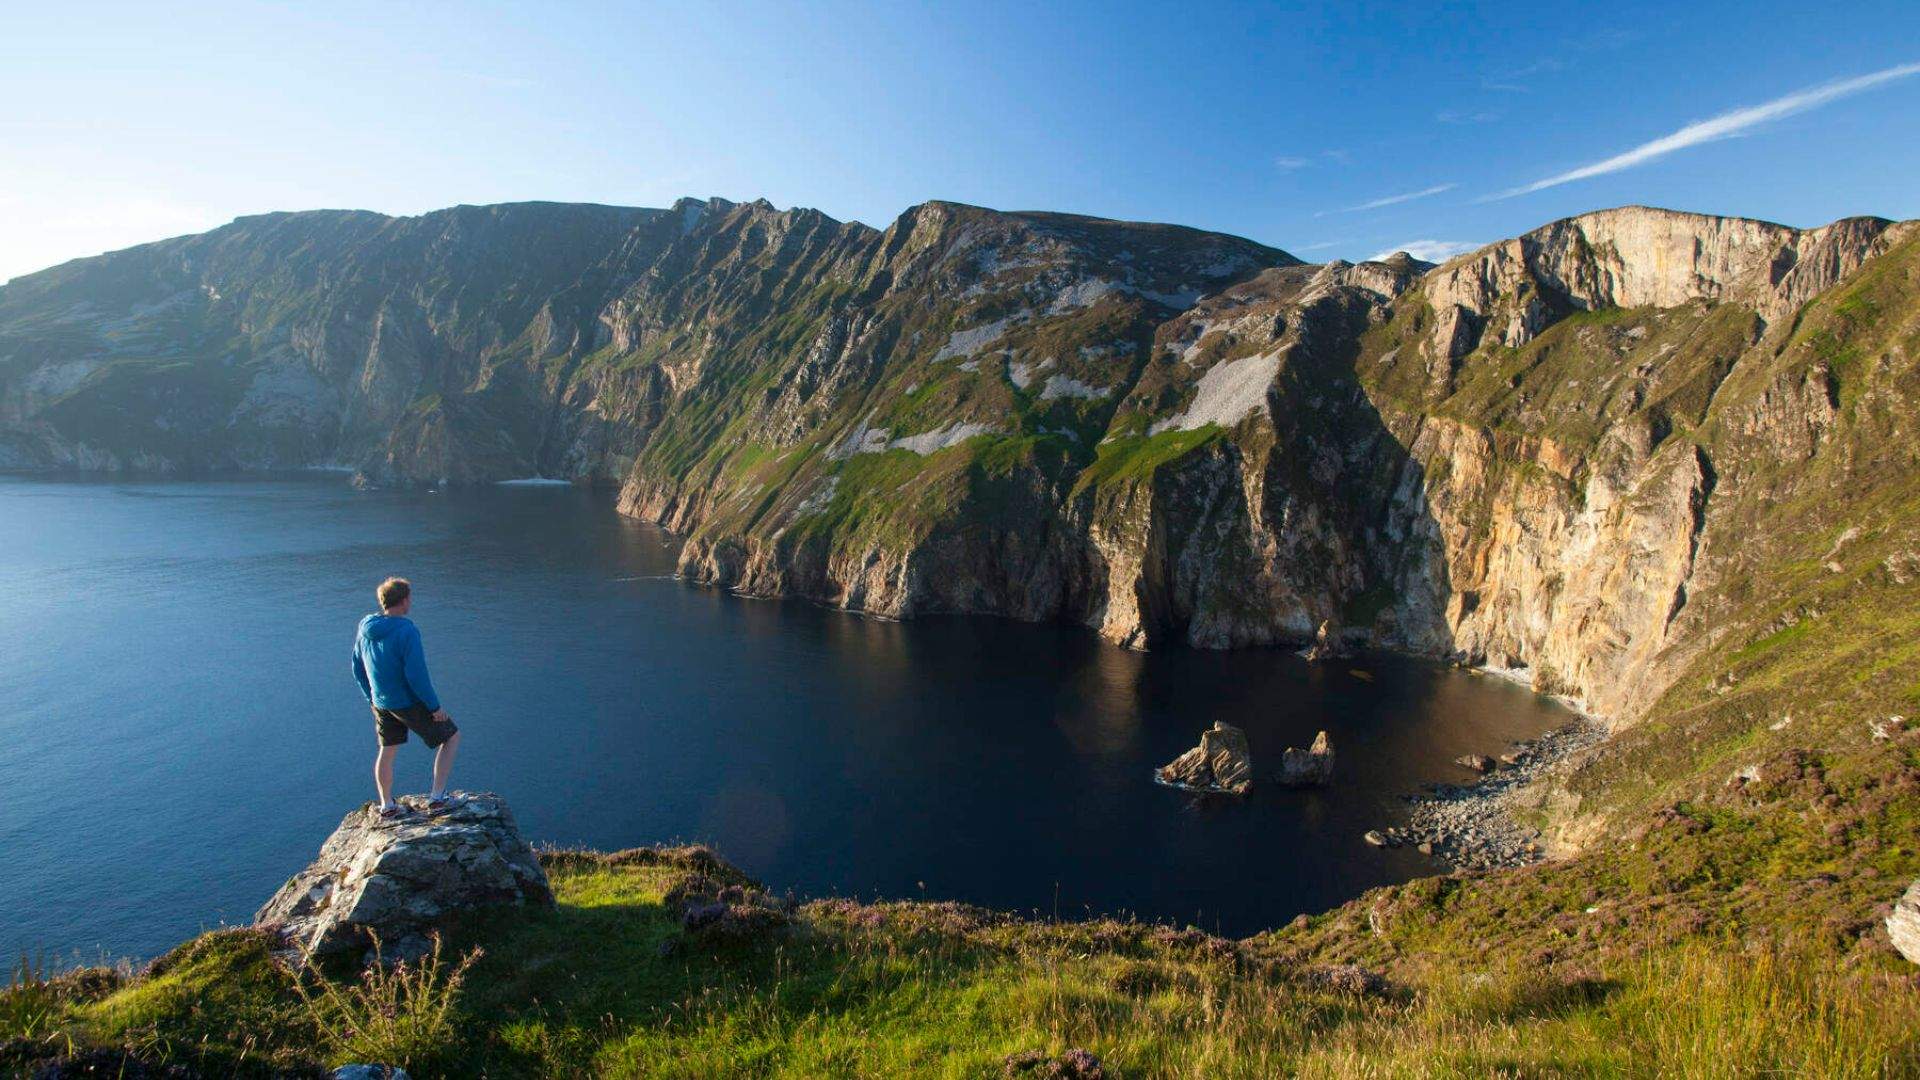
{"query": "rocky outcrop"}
(1638, 256)
(1311, 767)
(1221, 764)
(402, 880)
(724, 906)
(1903, 925)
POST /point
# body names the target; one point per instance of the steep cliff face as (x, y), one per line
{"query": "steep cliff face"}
(1541, 456)
(913, 446)
(1568, 426)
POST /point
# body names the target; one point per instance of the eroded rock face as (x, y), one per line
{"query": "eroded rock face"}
(1903, 926)
(1221, 763)
(402, 880)
(1310, 767)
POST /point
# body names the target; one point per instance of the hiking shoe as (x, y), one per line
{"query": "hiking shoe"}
(390, 812)
(440, 804)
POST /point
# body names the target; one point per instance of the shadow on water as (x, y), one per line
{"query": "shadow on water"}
(181, 730)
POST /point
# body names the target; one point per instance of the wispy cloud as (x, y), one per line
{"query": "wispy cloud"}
(1514, 81)
(1519, 80)
(1321, 246)
(1466, 116)
(1290, 162)
(37, 125)
(1606, 40)
(1390, 200)
(1546, 65)
(1433, 251)
(1725, 126)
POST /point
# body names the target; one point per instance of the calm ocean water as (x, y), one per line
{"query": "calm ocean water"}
(179, 728)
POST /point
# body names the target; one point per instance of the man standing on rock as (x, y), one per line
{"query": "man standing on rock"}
(390, 665)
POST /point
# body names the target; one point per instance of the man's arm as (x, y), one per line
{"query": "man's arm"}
(416, 671)
(360, 673)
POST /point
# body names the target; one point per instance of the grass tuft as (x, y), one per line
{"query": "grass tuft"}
(399, 1014)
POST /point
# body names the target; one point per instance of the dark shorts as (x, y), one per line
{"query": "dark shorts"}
(393, 725)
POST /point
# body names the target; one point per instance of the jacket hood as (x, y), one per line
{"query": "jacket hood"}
(380, 627)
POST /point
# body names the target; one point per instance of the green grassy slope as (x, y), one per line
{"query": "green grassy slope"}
(610, 984)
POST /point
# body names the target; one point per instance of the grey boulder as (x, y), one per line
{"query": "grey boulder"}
(402, 880)
(1903, 926)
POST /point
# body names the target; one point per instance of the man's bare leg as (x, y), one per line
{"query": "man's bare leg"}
(383, 774)
(443, 764)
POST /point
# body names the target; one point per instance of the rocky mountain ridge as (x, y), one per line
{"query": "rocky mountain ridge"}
(1543, 456)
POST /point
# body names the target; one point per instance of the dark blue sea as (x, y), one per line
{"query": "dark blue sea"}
(179, 727)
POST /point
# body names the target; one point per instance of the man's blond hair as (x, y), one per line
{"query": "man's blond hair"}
(393, 592)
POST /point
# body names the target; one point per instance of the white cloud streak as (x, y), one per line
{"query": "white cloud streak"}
(1725, 126)
(1433, 251)
(1390, 200)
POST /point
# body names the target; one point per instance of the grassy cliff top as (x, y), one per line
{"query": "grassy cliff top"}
(612, 982)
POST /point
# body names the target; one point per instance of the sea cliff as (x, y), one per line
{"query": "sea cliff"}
(1547, 456)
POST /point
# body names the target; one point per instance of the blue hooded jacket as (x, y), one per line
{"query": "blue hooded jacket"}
(390, 664)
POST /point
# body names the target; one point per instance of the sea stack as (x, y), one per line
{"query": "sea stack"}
(1310, 767)
(1221, 763)
(1328, 644)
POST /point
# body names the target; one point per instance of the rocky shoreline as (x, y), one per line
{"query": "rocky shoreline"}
(1473, 826)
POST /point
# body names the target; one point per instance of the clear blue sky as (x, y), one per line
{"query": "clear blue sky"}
(1281, 122)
